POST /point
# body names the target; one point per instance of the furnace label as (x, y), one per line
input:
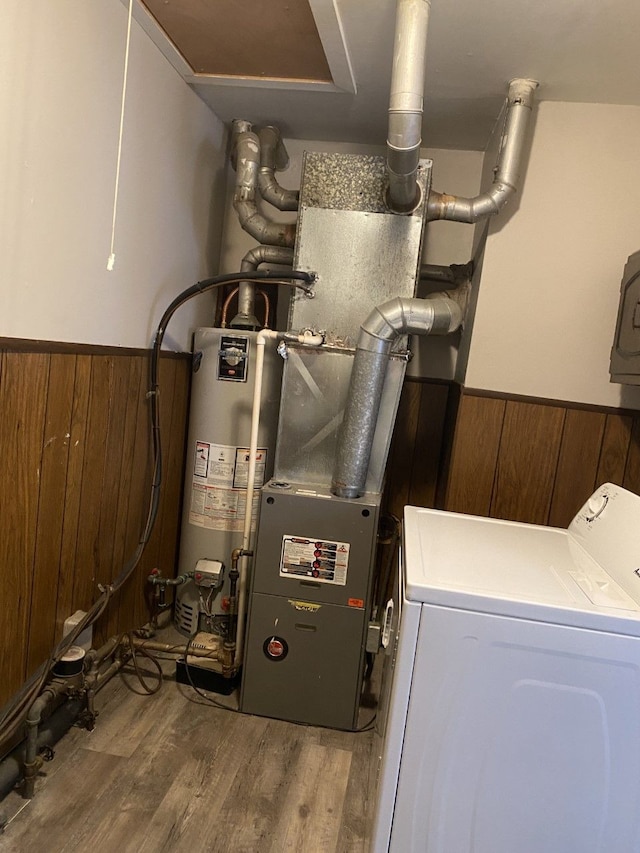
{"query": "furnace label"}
(323, 561)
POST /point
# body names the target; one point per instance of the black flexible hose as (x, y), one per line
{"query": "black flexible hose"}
(13, 713)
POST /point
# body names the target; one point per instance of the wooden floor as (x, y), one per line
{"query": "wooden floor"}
(170, 772)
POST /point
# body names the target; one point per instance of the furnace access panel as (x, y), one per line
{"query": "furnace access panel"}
(309, 606)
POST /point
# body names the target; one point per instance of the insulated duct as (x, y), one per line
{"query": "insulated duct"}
(245, 318)
(246, 155)
(273, 156)
(507, 171)
(405, 104)
(439, 314)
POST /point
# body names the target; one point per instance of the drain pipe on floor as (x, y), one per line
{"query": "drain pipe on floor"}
(438, 314)
(507, 172)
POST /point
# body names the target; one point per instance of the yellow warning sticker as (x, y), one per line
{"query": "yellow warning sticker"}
(304, 606)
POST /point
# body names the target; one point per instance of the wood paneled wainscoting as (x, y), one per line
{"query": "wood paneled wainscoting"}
(502, 456)
(74, 456)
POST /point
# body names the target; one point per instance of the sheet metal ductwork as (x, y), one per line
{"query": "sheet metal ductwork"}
(245, 318)
(507, 172)
(439, 314)
(273, 156)
(247, 164)
(406, 104)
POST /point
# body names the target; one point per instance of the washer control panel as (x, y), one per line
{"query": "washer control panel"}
(608, 529)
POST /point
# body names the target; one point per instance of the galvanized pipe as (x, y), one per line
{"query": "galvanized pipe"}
(406, 104)
(246, 155)
(281, 255)
(273, 155)
(439, 314)
(507, 172)
(50, 732)
(453, 274)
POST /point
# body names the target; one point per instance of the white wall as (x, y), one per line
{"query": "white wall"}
(61, 70)
(548, 298)
(446, 243)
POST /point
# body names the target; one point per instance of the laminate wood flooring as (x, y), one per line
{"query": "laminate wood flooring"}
(171, 773)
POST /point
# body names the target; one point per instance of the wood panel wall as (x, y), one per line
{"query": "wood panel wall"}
(520, 459)
(74, 454)
(537, 461)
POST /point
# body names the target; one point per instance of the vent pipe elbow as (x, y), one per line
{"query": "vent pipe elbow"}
(246, 157)
(245, 318)
(507, 172)
(406, 104)
(440, 314)
(273, 156)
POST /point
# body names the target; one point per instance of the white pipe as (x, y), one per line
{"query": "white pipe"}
(263, 336)
(406, 103)
(310, 339)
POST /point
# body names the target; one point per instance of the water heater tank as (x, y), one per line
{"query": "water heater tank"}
(217, 461)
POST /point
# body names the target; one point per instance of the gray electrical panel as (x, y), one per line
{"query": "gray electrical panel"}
(309, 606)
(625, 353)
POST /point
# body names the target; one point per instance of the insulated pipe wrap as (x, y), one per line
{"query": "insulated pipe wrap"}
(439, 314)
(270, 145)
(247, 162)
(250, 263)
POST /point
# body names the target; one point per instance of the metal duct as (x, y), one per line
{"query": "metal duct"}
(507, 172)
(273, 155)
(438, 314)
(246, 155)
(405, 104)
(245, 318)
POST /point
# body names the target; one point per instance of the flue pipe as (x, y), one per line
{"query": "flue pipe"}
(438, 314)
(246, 155)
(507, 171)
(406, 104)
(281, 255)
(273, 155)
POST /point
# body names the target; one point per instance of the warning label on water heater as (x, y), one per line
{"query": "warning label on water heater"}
(322, 560)
(218, 488)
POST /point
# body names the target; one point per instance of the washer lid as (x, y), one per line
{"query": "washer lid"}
(509, 568)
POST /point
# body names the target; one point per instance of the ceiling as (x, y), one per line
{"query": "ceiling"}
(579, 50)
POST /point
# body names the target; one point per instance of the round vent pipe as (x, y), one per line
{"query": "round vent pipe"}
(507, 171)
(438, 314)
(406, 104)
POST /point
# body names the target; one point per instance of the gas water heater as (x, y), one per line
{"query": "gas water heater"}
(217, 466)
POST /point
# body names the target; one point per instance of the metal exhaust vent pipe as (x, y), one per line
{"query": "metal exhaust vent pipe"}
(246, 156)
(406, 103)
(273, 156)
(439, 314)
(245, 317)
(507, 172)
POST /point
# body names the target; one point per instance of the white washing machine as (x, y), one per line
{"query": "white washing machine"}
(510, 718)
